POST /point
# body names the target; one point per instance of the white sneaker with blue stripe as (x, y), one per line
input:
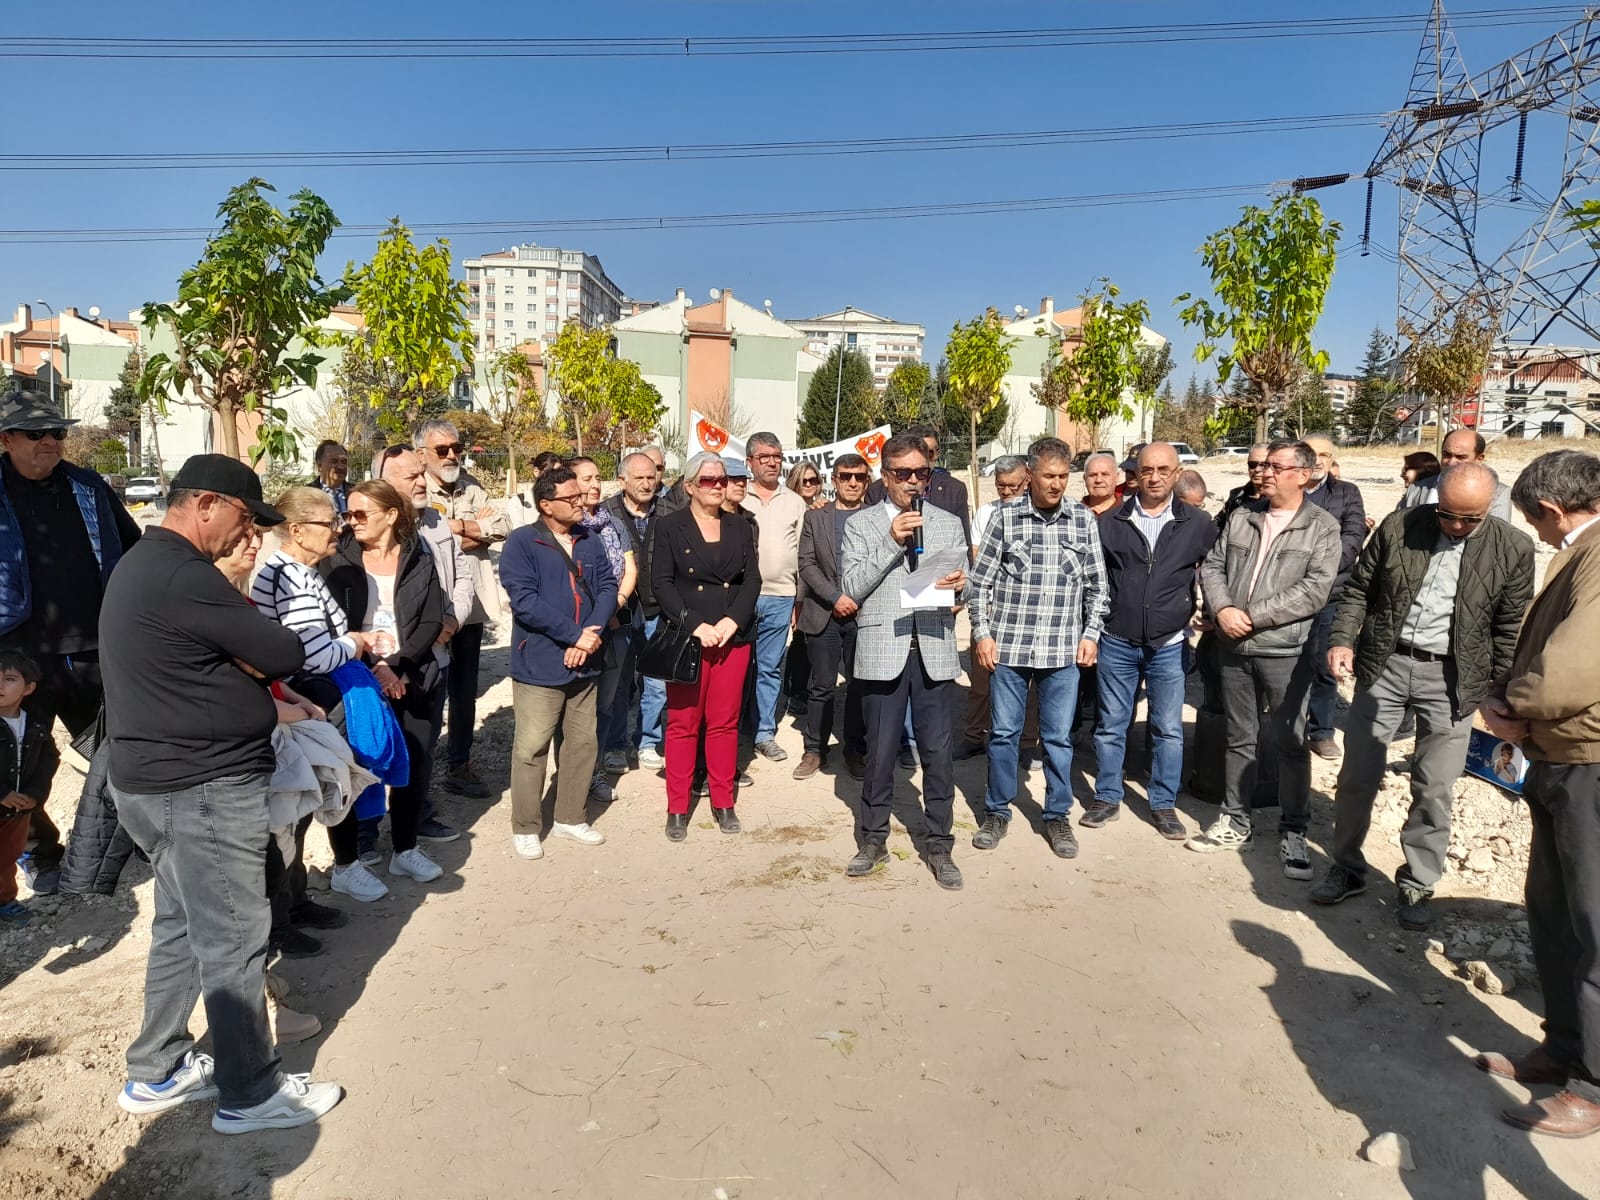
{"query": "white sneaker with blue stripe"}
(193, 1080)
(297, 1101)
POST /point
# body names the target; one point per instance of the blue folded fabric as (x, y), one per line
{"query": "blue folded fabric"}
(373, 732)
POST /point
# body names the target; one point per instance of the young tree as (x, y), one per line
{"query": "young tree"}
(1153, 366)
(1450, 369)
(512, 400)
(1270, 274)
(847, 382)
(977, 358)
(417, 339)
(905, 395)
(578, 363)
(1309, 409)
(124, 407)
(1099, 365)
(634, 405)
(255, 291)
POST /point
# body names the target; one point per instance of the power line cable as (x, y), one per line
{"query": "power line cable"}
(681, 221)
(748, 45)
(510, 156)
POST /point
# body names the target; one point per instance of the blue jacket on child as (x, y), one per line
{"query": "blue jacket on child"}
(551, 605)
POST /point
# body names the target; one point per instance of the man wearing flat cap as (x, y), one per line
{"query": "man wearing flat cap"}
(62, 530)
(187, 663)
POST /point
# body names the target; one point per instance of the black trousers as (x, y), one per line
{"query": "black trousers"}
(829, 651)
(466, 649)
(1563, 899)
(69, 688)
(884, 704)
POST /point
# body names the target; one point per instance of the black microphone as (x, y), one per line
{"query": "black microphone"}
(916, 534)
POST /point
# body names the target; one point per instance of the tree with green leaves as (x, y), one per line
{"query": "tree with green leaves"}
(633, 404)
(255, 292)
(905, 396)
(1308, 408)
(1270, 274)
(847, 376)
(124, 407)
(1370, 415)
(1449, 369)
(417, 340)
(977, 360)
(578, 363)
(1099, 368)
(1152, 372)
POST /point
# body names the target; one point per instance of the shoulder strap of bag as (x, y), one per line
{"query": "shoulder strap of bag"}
(578, 580)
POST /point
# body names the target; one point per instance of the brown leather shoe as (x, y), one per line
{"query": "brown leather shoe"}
(1535, 1067)
(1562, 1115)
(810, 764)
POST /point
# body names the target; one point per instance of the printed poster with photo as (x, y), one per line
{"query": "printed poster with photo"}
(1500, 762)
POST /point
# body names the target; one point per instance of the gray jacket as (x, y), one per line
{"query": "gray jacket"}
(875, 569)
(455, 572)
(1295, 581)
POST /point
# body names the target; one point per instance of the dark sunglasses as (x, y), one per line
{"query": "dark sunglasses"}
(811, 481)
(454, 448)
(37, 435)
(391, 452)
(851, 476)
(712, 481)
(1256, 466)
(1450, 516)
(907, 474)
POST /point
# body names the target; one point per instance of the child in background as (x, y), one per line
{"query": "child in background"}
(28, 761)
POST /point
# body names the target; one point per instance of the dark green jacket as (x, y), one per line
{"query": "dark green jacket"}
(1495, 586)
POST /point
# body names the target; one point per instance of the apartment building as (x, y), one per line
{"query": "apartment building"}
(83, 351)
(527, 293)
(885, 342)
(1538, 391)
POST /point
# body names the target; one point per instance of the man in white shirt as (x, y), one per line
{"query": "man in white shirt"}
(779, 514)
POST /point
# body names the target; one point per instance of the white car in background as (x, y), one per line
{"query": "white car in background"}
(1186, 456)
(1230, 452)
(142, 490)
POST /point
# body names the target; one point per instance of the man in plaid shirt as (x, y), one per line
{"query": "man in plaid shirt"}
(1037, 600)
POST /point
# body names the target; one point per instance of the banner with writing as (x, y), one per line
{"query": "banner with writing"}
(706, 434)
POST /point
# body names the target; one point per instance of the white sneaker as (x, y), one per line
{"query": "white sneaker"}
(650, 758)
(581, 832)
(414, 864)
(527, 845)
(357, 882)
(193, 1080)
(297, 1101)
(1296, 857)
(1222, 835)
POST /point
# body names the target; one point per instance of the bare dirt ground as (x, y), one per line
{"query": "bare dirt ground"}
(731, 1016)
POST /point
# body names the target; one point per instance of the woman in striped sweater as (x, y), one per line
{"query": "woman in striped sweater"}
(290, 591)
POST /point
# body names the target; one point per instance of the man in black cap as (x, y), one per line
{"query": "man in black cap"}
(186, 663)
(62, 530)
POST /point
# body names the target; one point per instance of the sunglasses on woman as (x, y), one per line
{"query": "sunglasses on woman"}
(712, 481)
(811, 481)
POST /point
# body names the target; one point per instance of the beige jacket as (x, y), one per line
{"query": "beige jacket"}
(1554, 682)
(462, 503)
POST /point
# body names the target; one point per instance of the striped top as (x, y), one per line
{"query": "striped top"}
(295, 596)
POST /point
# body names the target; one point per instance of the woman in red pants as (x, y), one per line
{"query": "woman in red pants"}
(704, 572)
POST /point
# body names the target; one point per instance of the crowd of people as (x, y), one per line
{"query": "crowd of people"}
(670, 627)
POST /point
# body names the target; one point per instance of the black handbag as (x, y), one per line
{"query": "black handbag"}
(673, 653)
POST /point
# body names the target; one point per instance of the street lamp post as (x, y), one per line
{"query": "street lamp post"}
(55, 350)
(838, 383)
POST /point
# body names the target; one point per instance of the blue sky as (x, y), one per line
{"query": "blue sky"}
(934, 270)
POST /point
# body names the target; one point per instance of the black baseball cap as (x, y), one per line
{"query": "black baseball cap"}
(226, 477)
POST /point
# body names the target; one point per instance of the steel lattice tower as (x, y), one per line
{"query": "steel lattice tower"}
(1505, 256)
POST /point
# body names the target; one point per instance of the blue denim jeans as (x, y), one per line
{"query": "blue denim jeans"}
(1121, 666)
(652, 700)
(1008, 705)
(773, 614)
(208, 849)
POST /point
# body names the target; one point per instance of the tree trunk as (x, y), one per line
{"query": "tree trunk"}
(972, 463)
(511, 468)
(155, 444)
(228, 415)
(1264, 416)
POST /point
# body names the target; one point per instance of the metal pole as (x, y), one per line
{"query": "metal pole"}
(55, 350)
(838, 382)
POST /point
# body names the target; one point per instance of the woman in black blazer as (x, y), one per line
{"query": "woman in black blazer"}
(705, 575)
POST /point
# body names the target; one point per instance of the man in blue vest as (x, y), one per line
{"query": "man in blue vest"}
(62, 530)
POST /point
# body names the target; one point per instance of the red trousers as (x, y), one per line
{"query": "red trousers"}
(13, 841)
(714, 701)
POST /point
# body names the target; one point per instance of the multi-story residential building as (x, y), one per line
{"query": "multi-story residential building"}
(733, 362)
(527, 293)
(886, 343)
(1051, 334)
(1538, 391)
(1340, 390)
(86, 353)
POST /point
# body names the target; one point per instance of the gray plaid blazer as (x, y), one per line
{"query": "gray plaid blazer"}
(874, 571)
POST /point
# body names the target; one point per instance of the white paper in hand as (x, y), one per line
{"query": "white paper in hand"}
(919, 591)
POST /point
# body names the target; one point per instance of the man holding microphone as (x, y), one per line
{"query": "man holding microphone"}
(905, 652)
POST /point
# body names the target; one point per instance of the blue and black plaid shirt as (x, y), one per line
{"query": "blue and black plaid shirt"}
(1039, 586)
